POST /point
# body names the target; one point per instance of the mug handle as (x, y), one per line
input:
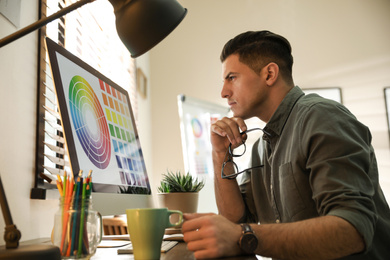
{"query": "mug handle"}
(178, 223)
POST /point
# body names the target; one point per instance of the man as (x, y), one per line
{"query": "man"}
(314, 193)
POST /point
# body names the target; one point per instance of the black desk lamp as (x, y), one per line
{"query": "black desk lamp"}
(141, 24)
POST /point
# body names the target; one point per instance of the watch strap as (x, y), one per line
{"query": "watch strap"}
(246, 228)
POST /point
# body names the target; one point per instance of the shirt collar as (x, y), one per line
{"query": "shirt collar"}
(279, 118)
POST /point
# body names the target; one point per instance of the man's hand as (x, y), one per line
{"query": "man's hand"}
(227, 193)
(211, 235)
(226, 131)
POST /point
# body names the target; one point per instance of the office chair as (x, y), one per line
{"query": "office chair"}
(116, 225)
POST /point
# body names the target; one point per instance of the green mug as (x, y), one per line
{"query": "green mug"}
(146, 228)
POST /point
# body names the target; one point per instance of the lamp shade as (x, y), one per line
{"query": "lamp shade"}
(142, 24)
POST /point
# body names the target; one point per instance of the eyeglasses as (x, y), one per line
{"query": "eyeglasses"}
(229, 167)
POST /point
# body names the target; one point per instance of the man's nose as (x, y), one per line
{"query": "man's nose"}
(225, 92)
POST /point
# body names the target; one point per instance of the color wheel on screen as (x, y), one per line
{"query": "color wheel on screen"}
(90, 122)
(196, 127)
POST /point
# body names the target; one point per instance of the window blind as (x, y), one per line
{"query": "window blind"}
(89, 33)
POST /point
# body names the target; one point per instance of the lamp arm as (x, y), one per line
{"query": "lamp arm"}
(4, 206)
(38, 24)
(11, 234)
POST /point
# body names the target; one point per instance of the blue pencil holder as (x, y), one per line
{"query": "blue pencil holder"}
(77, 228)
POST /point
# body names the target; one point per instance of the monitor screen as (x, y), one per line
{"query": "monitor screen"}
(99, 126)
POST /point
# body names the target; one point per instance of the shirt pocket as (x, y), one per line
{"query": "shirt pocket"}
(290, 198)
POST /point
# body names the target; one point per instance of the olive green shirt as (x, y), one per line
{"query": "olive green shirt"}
(318, 160)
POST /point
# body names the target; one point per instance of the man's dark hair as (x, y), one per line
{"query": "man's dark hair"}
(257, 49)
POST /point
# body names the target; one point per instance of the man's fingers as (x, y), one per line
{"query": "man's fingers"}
(188, 216)
(191, 236)
(218, 130)
(240, 122)
(194, 221)
(203, 249)
(230, 128)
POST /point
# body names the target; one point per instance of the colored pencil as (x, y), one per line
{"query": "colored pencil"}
(75, 215)
(59, 187)
(82, 218)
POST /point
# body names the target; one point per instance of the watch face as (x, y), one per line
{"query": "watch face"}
(248, 243)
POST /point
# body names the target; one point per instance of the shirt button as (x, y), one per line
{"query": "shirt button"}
(277, 221)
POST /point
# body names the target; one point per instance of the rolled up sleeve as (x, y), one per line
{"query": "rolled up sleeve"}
(342, 167)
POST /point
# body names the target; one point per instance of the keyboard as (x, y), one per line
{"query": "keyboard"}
(165, 247)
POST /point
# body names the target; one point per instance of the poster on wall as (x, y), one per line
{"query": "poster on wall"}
(196, 117)
(333, 93)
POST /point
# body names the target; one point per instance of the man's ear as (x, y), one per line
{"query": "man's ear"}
(272, 73)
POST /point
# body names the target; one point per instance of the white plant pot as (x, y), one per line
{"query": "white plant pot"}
(186, 202)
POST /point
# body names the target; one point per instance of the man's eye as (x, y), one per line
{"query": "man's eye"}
(232, 78)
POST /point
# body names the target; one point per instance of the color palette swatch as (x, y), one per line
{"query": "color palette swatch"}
(127, 151)
(90, 122)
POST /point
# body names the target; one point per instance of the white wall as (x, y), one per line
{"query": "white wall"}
(18, 73)
(335, 43)
(145, 125)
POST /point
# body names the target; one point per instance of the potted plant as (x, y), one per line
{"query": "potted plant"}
(179, 191)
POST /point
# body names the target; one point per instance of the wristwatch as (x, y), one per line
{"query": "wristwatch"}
(248, 241)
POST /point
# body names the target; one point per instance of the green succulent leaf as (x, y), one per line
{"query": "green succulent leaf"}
(177, 182)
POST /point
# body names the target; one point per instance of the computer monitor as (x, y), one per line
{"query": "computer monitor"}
(100, 133)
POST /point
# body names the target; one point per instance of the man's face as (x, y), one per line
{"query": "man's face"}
(245, 91)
